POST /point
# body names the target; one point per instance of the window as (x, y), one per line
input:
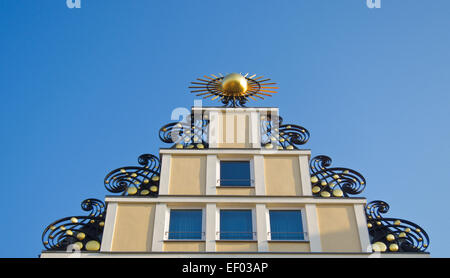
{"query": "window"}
(235, 173)
(236, 224)
(286, 225)
(185, 224)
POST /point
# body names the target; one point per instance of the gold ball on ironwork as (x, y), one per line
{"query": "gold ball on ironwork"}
(390, 237)
(81, 236)
(132, 190)
(325, 194)
(338, 192)
(379, 247)
(92, 245)
(393, 247)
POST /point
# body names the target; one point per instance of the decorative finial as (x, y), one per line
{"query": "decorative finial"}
(234, 89)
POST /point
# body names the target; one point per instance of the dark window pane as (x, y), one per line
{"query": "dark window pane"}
(286, 225)
(236, 224)
(185, 224)
(235, 173)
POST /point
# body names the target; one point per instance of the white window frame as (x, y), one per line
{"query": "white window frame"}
(252, 170)
(254, 226)
(304, 226)
(167, 223)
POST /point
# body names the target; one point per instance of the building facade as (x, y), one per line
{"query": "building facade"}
(234, 183)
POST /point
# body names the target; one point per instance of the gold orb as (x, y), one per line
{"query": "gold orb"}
(155, 178)
(154, 188)
(290, 147)
(314, 179)
(268, 146)
(74, 220)
(393, 247)
(323, 183)
(79, 245)
(132, 190)
(92, 245)
(81, 236)
(390, 237)
(402, 234)
(369, 225)
(325, 194)
(200, 146)
(101, 224)
(315, 189)
(179, 146)
(338, 192)
(145, 192)
(397, 222)
(234, 84)
(379, 247)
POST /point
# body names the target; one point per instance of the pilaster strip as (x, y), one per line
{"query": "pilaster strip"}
(210, 235)
(361, 222)
(108, 231)
(260, 187)
(165, 174)
(211, 174)
(159, 227)
(313, 228)
(261, 228)
(305, 178)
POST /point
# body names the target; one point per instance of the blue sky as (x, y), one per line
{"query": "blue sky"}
(84, 91)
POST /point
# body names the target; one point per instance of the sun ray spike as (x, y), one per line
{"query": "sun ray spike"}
(268, 91)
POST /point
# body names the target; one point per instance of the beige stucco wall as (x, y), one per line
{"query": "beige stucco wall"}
(282, 175)
(233, 130)
(133, 230)
(289, 246)
(230, 246)
(235, 191)
(184, 246)
(187, 175)
(338, 229)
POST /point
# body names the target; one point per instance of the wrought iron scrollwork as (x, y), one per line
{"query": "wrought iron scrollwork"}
(276, 135)
(233, 101)
(189, 134)
(336, 182)
(393, 234)
(136, 180)
(77, 232)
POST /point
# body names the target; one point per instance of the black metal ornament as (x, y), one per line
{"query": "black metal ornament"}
(192, 133)
(77, 232)
(136, 180)
(393, 234)
(276, 135)
(336, 182)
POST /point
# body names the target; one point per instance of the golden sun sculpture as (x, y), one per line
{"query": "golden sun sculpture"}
(233, 89)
